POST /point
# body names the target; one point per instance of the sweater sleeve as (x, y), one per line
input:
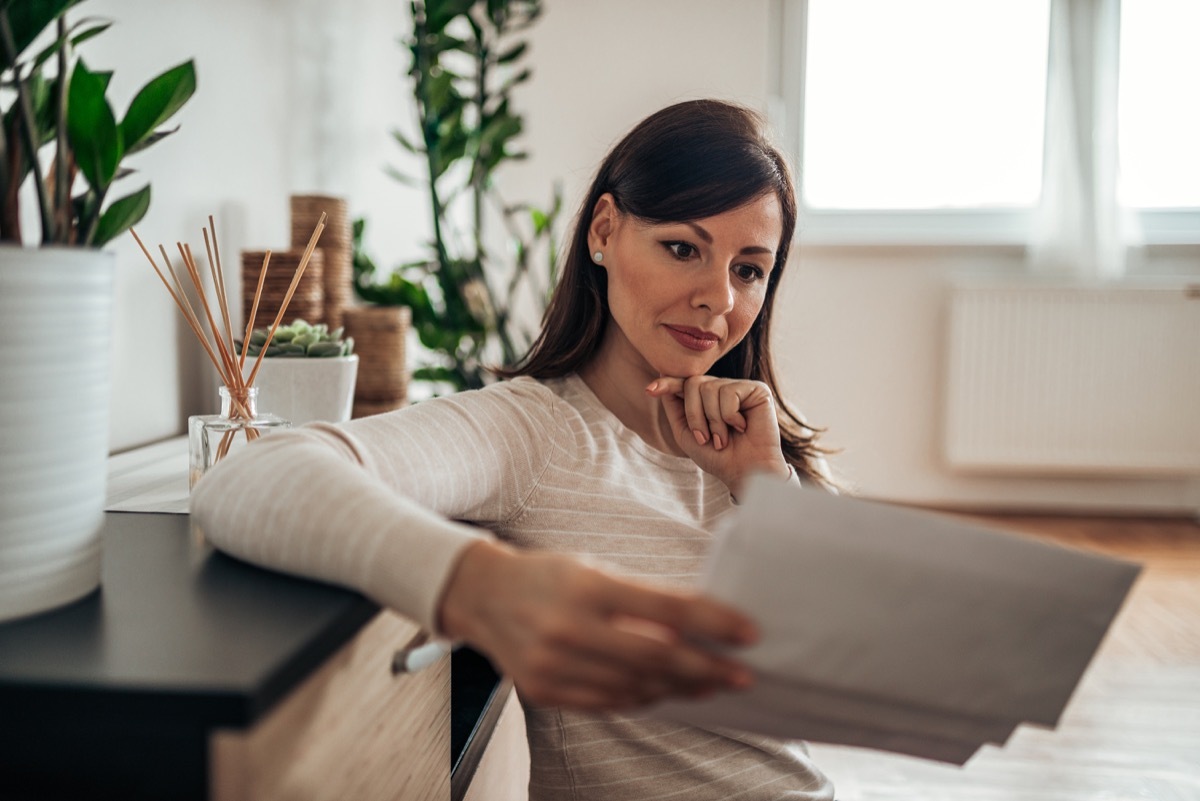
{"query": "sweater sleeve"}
(371, 504)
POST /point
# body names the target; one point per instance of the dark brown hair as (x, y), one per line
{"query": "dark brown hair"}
(686, 162)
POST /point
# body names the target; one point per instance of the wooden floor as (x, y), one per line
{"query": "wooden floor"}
(1132, 729)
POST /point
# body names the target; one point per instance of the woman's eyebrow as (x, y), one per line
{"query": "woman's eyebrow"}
(707, 237)
(700, 232)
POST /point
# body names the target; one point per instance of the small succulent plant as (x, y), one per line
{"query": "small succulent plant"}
(299, 340)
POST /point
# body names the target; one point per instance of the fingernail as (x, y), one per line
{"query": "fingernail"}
(718, 443)
(700, 438)
(652, 387)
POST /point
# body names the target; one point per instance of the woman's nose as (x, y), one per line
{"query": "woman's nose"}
(714, 291)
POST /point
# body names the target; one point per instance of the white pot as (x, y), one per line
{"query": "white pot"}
(55, 337)
(303, 390)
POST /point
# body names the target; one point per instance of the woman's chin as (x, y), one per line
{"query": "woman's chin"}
(685, 367)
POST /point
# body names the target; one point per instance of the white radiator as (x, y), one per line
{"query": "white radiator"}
(1074, 380)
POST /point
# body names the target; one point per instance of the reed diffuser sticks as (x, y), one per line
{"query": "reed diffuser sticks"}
(220, 348)
(216, 335)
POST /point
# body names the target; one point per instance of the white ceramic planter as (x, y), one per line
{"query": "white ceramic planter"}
(55, 337)
(304, 390)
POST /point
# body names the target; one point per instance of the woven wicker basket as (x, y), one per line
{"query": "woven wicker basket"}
(308, 302)
(336, 245)
(379, 334)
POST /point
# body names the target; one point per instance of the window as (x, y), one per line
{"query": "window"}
(924, 104)
(926, 120)
(1158, 123)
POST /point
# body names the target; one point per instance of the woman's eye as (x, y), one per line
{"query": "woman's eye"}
(680, 250)
(749, 273)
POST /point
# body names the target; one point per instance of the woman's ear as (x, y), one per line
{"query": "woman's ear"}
(604, 223)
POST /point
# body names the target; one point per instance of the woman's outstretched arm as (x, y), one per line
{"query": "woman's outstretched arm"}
(367, 506)
(370, 504)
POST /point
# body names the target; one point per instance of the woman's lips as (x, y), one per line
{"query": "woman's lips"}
(693, 338)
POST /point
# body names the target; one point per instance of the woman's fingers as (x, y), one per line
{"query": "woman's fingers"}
(730, 400)
(623, 667)
(586, 668)
(660, 631)
(684, 421)
(676, 665)
(692, 616)
(727, 426)
(571, 635)
(711, 407)
(702, 403)
(629, 661)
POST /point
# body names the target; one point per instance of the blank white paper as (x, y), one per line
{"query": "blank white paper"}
(892, 628)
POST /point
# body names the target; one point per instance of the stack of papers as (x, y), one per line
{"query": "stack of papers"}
(900, 630)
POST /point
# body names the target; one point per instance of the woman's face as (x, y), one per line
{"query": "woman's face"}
(682, 295)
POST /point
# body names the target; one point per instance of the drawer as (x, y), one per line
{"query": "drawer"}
(351, 731)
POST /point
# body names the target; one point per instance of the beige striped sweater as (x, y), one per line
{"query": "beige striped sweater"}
(542, 464)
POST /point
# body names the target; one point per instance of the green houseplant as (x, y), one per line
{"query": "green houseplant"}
(300, 339)
(465, 60)
(69, 112)
(308, 371)
(61, 141)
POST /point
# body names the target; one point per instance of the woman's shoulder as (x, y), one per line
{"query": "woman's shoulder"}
(567, 397)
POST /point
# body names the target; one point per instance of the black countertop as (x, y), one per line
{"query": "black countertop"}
(180, 639)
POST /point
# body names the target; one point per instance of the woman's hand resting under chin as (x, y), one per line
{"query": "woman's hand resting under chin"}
(727, 426)
(569, 635)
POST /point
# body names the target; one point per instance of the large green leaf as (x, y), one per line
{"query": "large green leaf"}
(121, 215)
(92, 128)
(105, 77)
(157, 101)
(28, 18)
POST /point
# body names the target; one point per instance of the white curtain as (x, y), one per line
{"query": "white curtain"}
(1079, 229)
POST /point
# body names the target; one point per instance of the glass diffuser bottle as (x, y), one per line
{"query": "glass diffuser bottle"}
(212, 437)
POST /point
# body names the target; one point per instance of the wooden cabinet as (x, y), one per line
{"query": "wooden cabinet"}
(353, 730)
(192, 676)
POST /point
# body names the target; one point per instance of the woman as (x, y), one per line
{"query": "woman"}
(623, 437)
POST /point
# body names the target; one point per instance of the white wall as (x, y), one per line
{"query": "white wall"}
(859, 337)
(862, 348)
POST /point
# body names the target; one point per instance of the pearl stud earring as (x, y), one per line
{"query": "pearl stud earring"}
(598, 257)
